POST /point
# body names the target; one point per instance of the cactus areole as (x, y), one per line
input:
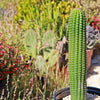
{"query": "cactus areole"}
(77, 54)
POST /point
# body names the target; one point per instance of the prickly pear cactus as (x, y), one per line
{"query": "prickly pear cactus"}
(30, 42)
(48, 42)
(77, 54)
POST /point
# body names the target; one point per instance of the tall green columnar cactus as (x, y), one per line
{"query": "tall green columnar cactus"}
(77, 54)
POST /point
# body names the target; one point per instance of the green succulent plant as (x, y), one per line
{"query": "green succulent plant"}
(77, 54)
(31, 42)
(35, 43)
(41, 48)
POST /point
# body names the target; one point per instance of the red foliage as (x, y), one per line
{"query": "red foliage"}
(10, 60)
(8, 54)
(95, 23)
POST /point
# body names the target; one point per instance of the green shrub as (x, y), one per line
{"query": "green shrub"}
(9, 58)
(40, 16)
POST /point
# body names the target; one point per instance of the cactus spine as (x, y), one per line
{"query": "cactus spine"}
(77, 54)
